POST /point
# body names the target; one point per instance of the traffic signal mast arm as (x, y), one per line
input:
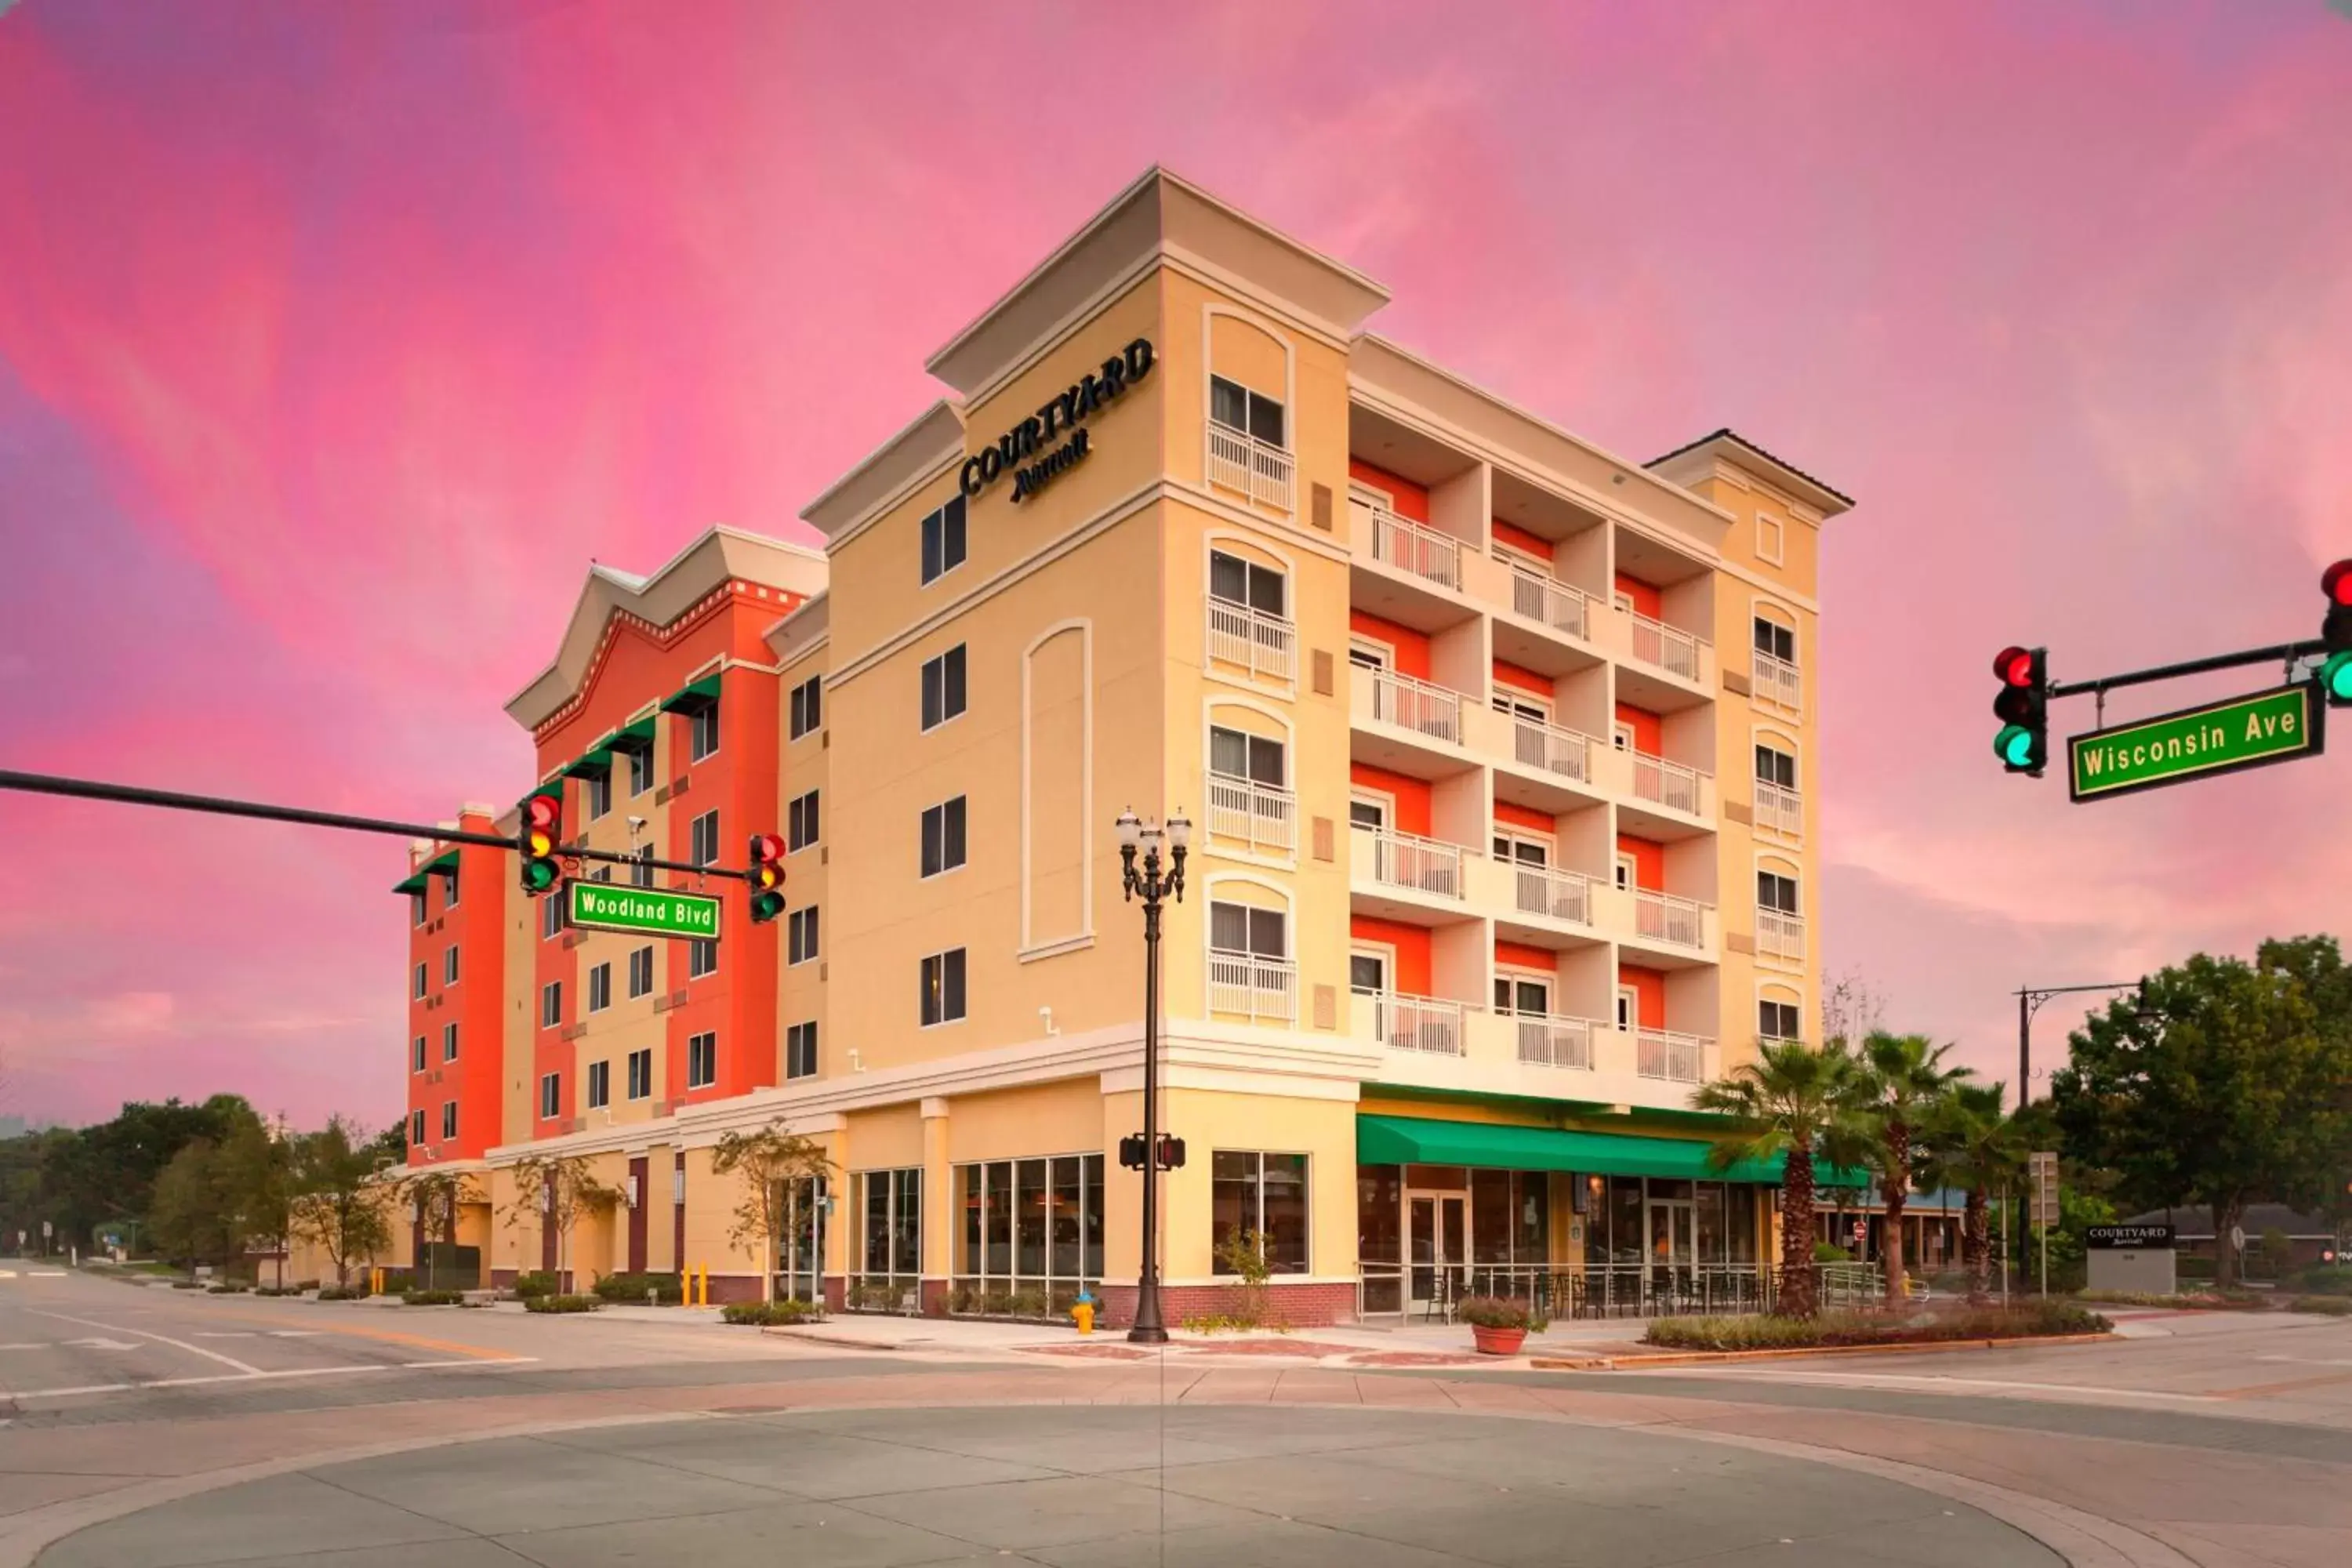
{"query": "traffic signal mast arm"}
(2287, 653)
(218, 805)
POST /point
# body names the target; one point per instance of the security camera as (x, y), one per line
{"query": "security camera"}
(636, 824)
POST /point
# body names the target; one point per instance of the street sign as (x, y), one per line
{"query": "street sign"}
(2274, 726)
(2043, 1165)
(650, 911)
(2238, 1238)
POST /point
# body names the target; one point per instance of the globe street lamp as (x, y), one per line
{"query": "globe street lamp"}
(1141, 841)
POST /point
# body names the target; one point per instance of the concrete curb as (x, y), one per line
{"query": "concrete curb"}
(1695, 1358)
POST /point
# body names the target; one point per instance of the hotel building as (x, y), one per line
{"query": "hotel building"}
(1500, 759)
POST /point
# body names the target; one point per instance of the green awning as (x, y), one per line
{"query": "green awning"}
(444, 864)
(637, 737)
(1417, 1141)
(697, 696)
(596, 764)
(413, 885)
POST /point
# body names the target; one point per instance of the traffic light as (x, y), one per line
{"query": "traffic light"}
(2024, 710)
(2335, 672)
(766, 877)
(535, 842)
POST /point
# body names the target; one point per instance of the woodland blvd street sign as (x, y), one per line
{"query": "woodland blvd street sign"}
(601, 906)
(2274, 726)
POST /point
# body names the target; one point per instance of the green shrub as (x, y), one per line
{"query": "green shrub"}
(1499, 1312)
(276, 1289)
(2328, 1306)
(629, 1289)
(2327, 1279)
(2186, 1267)
(560, 1303)
(340, 1293)
(226, 1288)
(768, 1313)
(301, 1285)
(432, 1297)
(537, 1282)
(2189, 1300)
(2026, 1320)
(1831, 1252)
(187, 1284)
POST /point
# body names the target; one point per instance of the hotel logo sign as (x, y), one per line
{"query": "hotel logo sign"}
(1027, 450)
(602, 906)
(2274, 726)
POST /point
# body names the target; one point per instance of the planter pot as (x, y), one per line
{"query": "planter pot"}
(1498, 1341)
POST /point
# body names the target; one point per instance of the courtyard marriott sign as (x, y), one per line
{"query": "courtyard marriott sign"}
(601, 906)
(2274, 726)
(1023, 448)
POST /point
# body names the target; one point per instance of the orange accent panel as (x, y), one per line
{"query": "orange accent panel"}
(1646, 596)
(1521, 956)
(1411, 647)
(1649, 989)
(1525, 679)
(1411, 945)
(1520, 539)
(1411, 500)
(1524, 816)
(1649, 861)
(1649, 730)
(1412, 795)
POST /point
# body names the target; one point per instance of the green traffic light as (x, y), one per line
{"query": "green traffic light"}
(767, 906)
(2336, 676)
(539, 875)
(2014, 746)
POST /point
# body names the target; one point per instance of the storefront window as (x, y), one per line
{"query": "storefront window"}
(1491, 1226)
(1029, 1208)
(1627, 1230)
(1031, 1235)
(1531, 1206)
(889, 1209)
(1067, 1208)
(1261, 1192)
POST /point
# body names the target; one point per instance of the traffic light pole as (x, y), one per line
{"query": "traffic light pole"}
(260, 811)
(2288, 653)
(2029, 1002)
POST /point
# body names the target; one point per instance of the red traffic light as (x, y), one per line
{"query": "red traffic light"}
(2015, 665)
(540, 813)
(766, 848)
(2336, 582)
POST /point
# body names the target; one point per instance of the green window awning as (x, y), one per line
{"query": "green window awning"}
(413, 884)
(596, 764)
(443, 865)
(694, 697)
(1417, 1141)
(637, 737)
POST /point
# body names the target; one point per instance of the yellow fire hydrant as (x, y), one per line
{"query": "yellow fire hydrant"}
(1082, 1311)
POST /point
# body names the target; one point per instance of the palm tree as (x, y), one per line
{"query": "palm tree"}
(1971, 1145)
(1790, 1100)
(1901, 1081)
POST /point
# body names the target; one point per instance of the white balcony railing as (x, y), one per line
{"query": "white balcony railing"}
(1416, 1023)
(1412, 547)
(1777, 682)
(1263, 990)
(1258, 469)
(1780, 810)
(1549, 600)
(1264, 816)
(1409, 860)
(1662, 917)
(1558, 895)
(1679, 1058)
(1666, 647)
(1780, 936)
(1666, 784)
(1414, 704)
(1557, 1042)
(1260, 643)
(1548, 746)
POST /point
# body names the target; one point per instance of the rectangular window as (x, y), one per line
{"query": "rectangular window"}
(600, 987)
(1037, 1220)
(943, 985)
(596, 794)
(417, 908)
(550, 915)
(1236, 407)
(416, 1055)
(1265, 1194)
(1777, 1020)
(416, 1127)
(641, 772)
(887, 1207)
(702, 839)
(641, 1074)
(702, 732)
(551, 1095)
(551, 1004)
(808, 707)
(449, 966)
(943, 836)
(701, 1060)
(1776, 892)
(800, 1051)
(1239, 582)
(1239, 928)
(641, 972)
(449, 885)
(1775, 767)
(1776, 639)
(420, 982)
(449, 1042)
(943, 540)
(1234, 755)
(448, 1119)
(601, 874)
(701, 959)
(944, 693)
(600, 1085)
(800, 935)
(800, 822)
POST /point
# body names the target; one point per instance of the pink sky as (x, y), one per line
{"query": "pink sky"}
(334, 340)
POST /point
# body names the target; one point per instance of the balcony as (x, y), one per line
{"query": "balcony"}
(1414, 548)
(1258, 469)
(1548, 601)
(1553, 894)
(1409, 861)
(1556, 1041)
(1778, 681)
(1267, 646)
(1424, 1024)
(1386, 696)
(1548, 747)
(1670, 785)
(1676, 1058)
(1244, 984)
(1779, 809)
(1666, 919)
(1780, 936)
(1669, 648)
(1264, 816)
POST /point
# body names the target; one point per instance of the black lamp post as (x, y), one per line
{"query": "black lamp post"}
(1153, 885)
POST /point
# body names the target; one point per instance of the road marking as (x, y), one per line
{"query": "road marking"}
(1869, 1381)
(216, 1378)
(102, 1345)
(222, 1334)
(2297, 1359)
(294, 1334)
(390, 1336)
(30, 1345)
(159, 1339)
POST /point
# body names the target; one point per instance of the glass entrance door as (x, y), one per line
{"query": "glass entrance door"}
(1674, 1251)
(800, 1253)
(1437, 1239)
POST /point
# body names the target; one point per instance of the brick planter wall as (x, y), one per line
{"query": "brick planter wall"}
(1292, 1306)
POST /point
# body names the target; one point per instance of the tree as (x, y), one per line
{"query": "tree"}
(2223, 1085)
(1791, 1102)
(189, 1220)
(1971, 1145)
(257, 1167)
(557, 1189)
(1901, 1078)
(337, 1201)
(1851, 1008)
(774, 1164)
(433, 1196)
